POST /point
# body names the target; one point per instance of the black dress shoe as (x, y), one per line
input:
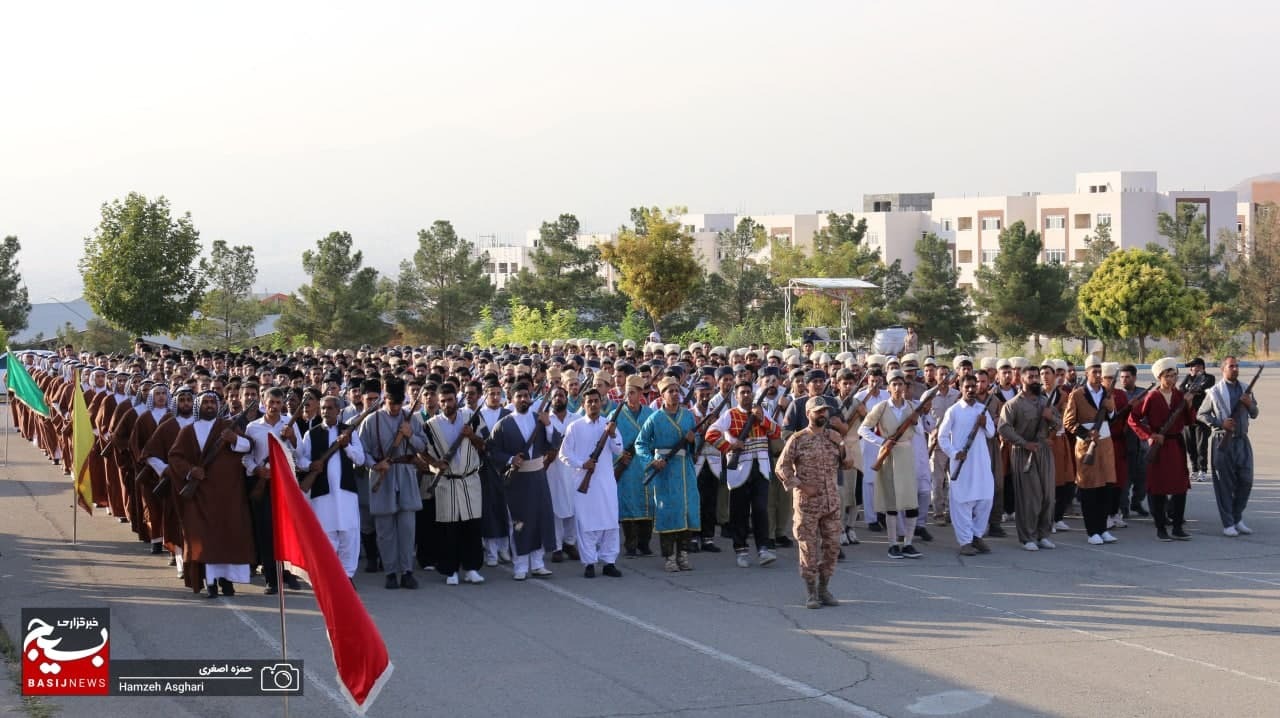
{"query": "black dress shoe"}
(571, 551)
(557, 557)
(923, 533)
(228, 588)
(645, 550)
(408, 581)
(996, 531)
(213, 590)
(876, 526)
(632, 553)
(1162, 535)
(840, 555)
(291, 582)
(271, 590)
(589, 571)
(611, 571)
(710, 547)
(693, 546)
(393, 581)
(784, 542)
(1179, 535)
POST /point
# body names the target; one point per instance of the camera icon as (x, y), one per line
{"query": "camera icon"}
(280, 677)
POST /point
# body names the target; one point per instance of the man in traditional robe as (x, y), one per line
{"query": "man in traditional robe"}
(596, 509)
(561, 480)
(971, 490)
(635, 498)
(457, 488)
(152, 456)
(365, 395)
(391, 439)
(1089, 409)
(120, 428)
(708, 463)
(495, 523)
(332, 491)
(664, 443)
(1158, 419)
(748, 480)
(208, 474)
(520, 448)
(1228, 410)
(896, 487)
(1026, 421)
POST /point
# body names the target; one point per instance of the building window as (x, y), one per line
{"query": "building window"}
(1102, 188)
(1080, 255)
(965, 256)
(991, 223)
(1055, 221)
(882, 206)
(964, 224)
(946, 225)
(489, 268)
(502, 267)
(989, 256)
(1240, 226)
(515, 268)
(1104, 218)
(1081, 221)
(1055, 256)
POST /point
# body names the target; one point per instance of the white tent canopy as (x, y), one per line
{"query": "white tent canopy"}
(840, 289)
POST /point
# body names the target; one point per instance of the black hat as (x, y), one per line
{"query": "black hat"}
(771, 371)
(724, 371)
(815, 375)
(395, 390)
(1196, 362)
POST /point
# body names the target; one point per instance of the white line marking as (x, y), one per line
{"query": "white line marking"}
(343, 704)
(1170, 564)
(759, 671)
(1065, 627)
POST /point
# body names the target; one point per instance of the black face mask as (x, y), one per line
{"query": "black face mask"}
(1034, 388)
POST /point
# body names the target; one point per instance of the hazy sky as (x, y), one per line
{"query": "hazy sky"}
(274, 123)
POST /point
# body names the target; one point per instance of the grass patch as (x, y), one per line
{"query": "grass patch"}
(34, 706)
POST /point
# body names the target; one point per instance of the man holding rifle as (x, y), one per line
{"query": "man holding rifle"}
(454, 450)
(1158, 420)
(1026, 422)
(891, 426)
(742, 435)
(1090, 408)
(332, 492)
(1228, 408)
(962, 438)
(589, 447)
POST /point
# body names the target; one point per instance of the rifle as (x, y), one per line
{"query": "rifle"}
(1051, 400)
(1196, 388)
(973, 434)
(701, 426)
(585, 486)
(1124, 413)
(1097, 424)
(312, 475)
(735, 454)
(452, 450)
(1236, 407)
(543, 410)
(405, 418)
(916, 413)
(212, 448)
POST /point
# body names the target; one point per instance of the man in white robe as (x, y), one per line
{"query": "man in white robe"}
(561, 479)
(333, 493)
(971, 489)
(596, 511)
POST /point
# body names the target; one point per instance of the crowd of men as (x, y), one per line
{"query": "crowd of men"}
(453, 459)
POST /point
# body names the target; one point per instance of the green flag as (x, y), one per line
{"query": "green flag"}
(24, 387)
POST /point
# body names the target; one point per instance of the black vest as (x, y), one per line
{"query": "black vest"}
(320, 444)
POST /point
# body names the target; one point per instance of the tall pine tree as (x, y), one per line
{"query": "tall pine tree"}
(935, 304)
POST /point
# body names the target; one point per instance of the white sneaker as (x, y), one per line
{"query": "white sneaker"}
(1231, 531)
(1111, 522)
(767, 557)
(1031, 546)
(520, 576)
(473, 577)
(742, 559)
(491, 562)
(452, 580)
(504, 556)
(1046, 543)
(1119, 522)
(1243, 529)
(1061, 526)
(1096, 540)
(1108, 538)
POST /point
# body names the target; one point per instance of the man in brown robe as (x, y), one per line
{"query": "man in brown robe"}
(156, 435)
(208, 473)
(1081, 418)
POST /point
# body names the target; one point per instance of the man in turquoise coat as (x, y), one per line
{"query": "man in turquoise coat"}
(635, 499)
(674, 484)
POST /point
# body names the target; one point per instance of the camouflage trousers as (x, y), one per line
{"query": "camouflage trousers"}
(818, 537)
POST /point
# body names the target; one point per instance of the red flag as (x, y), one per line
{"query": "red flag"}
(358, 650)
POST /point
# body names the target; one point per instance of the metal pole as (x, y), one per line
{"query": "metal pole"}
(284, 641)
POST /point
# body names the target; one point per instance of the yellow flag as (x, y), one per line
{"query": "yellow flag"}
(82, 445)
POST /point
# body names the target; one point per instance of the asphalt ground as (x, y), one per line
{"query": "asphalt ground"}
(1131, 629)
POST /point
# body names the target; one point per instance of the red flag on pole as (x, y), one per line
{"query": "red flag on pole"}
(358, 650)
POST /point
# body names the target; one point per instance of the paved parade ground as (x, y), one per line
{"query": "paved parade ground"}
(1131, 629)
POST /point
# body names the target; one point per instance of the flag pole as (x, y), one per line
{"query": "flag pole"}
(75, 513)
(284, 640)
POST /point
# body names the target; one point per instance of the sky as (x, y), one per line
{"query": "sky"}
(276, 123)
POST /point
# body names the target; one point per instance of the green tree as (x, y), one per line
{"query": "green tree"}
(1137, 294)
(442, 289)
(935, 305)
(338, 308)
(565, 273)
(741, 285)
(1189, 245)
(1097, 247)
(140, 267)
(97, 335)
(528, 325)
(1021, 296)
(228, 313)
(14, 304)
(1255, 267)
(655, 261)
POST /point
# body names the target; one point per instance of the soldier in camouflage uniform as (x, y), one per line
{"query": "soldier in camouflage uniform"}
(808, 466)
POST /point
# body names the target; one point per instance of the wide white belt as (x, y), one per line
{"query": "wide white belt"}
(529, 465)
